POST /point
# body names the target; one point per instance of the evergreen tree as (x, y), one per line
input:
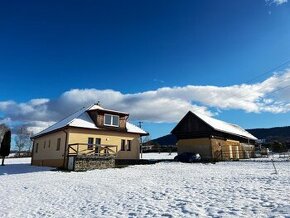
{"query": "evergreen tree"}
(5, 142)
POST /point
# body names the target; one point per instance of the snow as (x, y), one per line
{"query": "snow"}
(64, 122)
(134, 129)
(159, 156)
(225, 127)
(169, 189)
(83, 121)
(98, 107)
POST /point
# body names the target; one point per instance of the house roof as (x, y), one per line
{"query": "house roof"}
(222, 126)
(98, 107)
(82, 119)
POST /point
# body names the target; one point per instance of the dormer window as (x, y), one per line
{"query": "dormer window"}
(111, 120)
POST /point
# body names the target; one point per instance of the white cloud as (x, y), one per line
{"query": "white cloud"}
(167, 104)
(277, 2)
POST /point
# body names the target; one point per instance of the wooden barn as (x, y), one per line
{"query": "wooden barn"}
(213, 139)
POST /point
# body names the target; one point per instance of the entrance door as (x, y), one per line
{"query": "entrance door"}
(71, 163)
(97, 143)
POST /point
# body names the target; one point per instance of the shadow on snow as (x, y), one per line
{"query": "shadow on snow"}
(21, 168)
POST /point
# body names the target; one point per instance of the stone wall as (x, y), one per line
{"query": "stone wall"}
(83, 163)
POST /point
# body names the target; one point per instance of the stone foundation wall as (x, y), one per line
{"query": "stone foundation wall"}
(83, 163)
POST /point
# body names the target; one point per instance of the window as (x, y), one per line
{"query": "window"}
(98, 142)
(90, 143)
(111, 120)
(123, 145)
(49, 143)
(128, 145)
(36, 148)
(58, 144)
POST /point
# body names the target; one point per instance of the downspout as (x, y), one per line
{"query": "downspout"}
(211, 148)
(65, 158)
(32, 151)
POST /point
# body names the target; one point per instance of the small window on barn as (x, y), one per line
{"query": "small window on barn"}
(36, 148)
(128, 145)
(123, 142)
(90, 143)
(111, 120)
(58, 144)
(49, 143)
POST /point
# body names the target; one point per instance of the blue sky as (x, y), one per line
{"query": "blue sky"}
(68, 53)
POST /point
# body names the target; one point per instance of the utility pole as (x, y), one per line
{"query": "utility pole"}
(141, 143)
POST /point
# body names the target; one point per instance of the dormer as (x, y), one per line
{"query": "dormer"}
(108, 119)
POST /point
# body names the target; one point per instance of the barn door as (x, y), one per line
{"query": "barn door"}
(237, 152)
(230, 152)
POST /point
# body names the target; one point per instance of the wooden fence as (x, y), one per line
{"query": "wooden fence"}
(77, 149)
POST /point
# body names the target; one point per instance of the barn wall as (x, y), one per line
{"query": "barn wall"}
(226, 149)
(216, 149)
(201, 146)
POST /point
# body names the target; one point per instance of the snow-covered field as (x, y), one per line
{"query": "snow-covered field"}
(159, 156)
(225, 189)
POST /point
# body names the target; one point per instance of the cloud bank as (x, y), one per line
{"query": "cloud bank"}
(277, 2)
(167, 104)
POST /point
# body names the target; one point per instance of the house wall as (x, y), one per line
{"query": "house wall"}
(78, 135)
(48, 155)
(201, 146)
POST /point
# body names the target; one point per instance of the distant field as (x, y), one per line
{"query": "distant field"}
(225, 189)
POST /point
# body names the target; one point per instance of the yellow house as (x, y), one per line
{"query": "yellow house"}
(90, 131)
(213, 139)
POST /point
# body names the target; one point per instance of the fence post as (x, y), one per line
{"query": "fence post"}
(276, 172)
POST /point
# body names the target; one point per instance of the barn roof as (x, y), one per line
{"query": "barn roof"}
(82, 119)
(225, 127)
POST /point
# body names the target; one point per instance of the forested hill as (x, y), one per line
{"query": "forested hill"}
(277, 133)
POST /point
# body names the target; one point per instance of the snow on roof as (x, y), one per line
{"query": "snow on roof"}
(225, 127)
(66, 121)
(98, 107)
(134, 129)
(83, 120)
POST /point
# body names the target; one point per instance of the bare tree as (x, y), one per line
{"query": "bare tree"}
(146, 140)
(22, 139)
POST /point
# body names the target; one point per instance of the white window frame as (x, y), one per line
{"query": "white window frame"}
(111, 124)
